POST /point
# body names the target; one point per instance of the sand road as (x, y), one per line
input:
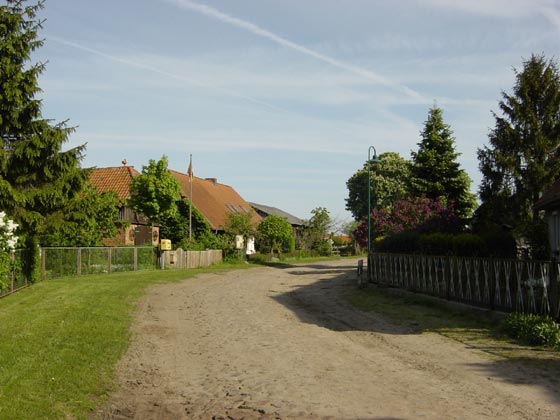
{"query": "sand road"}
(283, 343)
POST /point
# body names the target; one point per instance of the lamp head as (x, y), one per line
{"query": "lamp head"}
(374, 159)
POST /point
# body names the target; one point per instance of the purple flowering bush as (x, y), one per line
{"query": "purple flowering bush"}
(418, 214)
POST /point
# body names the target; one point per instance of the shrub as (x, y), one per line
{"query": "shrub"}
(499, 243)
(533, 329)
(436, 244)
(469, 245)
(401, 243)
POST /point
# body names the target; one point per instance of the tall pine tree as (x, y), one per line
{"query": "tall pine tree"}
(523, 158)
(435, 172)
(37, 178)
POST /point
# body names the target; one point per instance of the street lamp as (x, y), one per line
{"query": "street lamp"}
(370, 160)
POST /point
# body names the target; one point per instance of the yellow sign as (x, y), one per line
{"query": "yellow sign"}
(165, 244)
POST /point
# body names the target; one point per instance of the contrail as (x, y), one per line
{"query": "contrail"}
(257, 30)
(163, 72)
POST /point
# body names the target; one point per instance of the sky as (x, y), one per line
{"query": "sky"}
(281, 99)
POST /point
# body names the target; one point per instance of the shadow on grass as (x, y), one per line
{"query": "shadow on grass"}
(334, 302)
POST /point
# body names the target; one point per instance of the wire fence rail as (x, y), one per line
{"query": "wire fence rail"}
(65, 261)
(497, 284)
(68, 261)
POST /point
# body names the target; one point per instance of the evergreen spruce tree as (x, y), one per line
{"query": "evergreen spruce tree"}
(523, 158)
(435, 172)
(36, 177)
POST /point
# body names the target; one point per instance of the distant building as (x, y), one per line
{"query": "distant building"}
(137, 228)
(263, 211)
(213, 200)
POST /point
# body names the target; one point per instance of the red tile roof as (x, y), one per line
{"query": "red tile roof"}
(214, 200)
(114, 179)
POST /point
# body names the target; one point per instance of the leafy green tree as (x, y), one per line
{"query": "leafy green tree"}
(37, 179)
(317, 229)
(275, 231)
(155, 192)
(175, 226)
(240, 224)
(523, 157)
(435, 172)
(86, 221)
(389, 182)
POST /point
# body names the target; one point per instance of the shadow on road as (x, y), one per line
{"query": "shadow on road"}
(332, 301)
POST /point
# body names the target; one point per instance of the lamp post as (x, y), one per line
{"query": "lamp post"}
(371, 160)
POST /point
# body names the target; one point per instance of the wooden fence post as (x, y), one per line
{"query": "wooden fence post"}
(553, 291)
(108, 260)
(43, 263)
(12, 270)
(79, 261)
(135, 267)
(492, 285)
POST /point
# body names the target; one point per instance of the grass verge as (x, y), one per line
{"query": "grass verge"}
(475, 328)
(60, 340)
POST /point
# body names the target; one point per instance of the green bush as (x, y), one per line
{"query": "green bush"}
(533, 329)
(401, 243)
(260, 258)
(436, 244)
(469, 245)
(324, 248)
(499, 243)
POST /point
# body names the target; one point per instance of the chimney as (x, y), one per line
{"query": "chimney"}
(212, 180)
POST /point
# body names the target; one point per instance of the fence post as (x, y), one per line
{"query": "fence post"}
(79, 261)
(369, 269)
(492, 284)
(553, 292)
(135, 267)
(108, 260)
(12, 270)
(43, 263)
(448, 274)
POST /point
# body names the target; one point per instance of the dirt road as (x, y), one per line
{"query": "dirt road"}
(283, 343)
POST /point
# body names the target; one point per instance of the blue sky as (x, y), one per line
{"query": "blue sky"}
(281, 99)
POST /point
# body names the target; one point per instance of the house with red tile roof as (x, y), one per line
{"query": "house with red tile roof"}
(137, 229)
(214, 200)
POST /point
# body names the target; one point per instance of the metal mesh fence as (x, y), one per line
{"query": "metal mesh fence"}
(12, 273)
(58, 262)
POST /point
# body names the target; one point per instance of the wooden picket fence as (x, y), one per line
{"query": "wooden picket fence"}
(497, 284)
(191, 259)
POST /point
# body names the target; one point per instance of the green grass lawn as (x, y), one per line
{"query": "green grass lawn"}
(60, 341)
(418, 313)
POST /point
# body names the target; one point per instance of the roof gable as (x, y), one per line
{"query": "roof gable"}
(267, 210)
(214, 200)
(115, 179)
(550, 199)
